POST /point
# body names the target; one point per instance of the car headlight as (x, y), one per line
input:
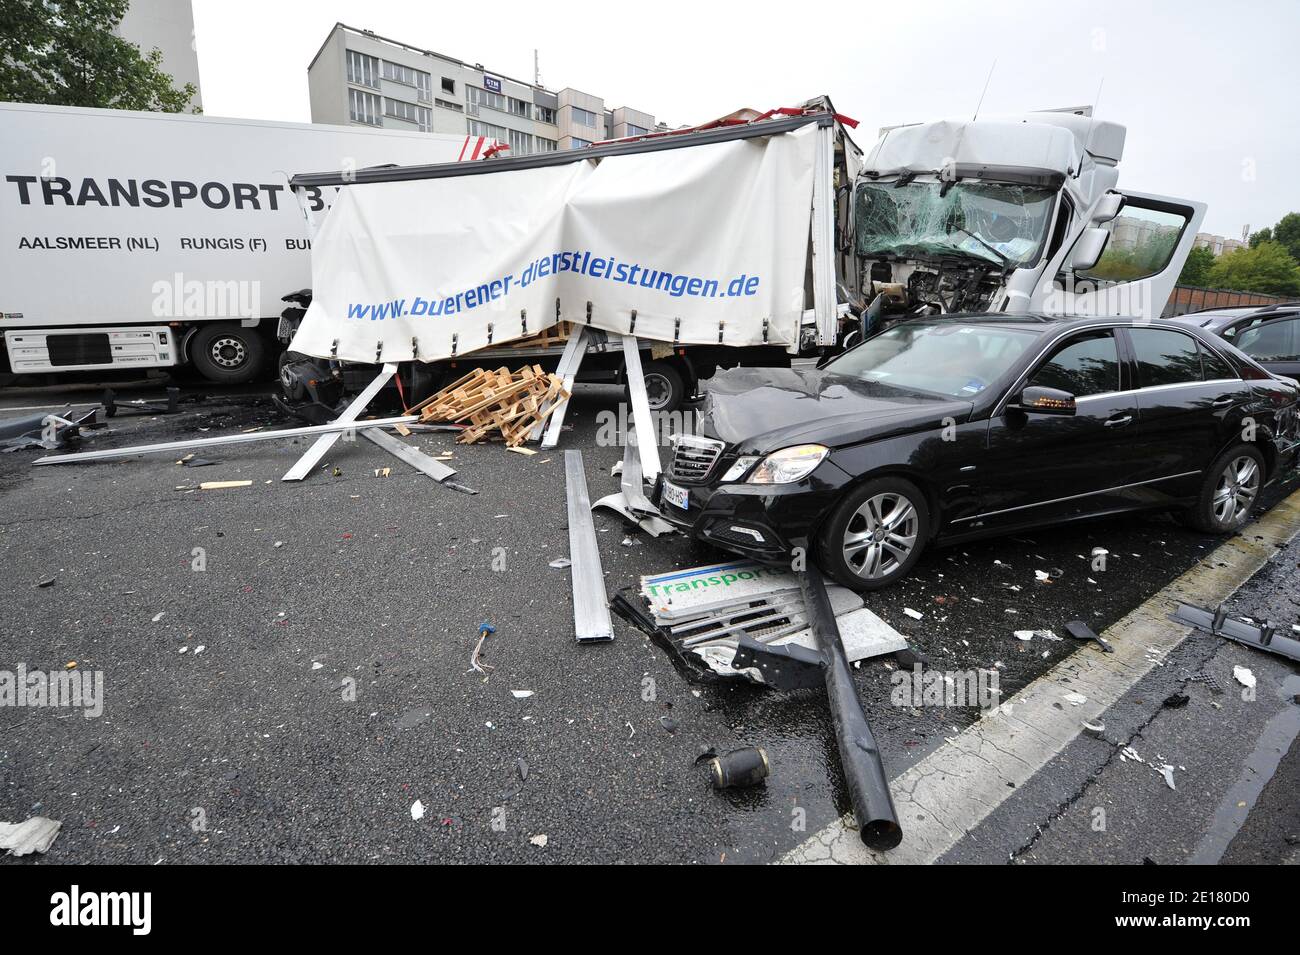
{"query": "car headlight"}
(737, 470)
(789, 464)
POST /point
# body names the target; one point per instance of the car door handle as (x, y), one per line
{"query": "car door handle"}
(1120, 421)
(1222, 402)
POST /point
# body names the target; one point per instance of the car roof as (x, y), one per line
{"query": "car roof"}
(1215, 318)
(1040, 322)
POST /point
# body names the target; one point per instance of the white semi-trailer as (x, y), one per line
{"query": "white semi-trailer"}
(150, 240)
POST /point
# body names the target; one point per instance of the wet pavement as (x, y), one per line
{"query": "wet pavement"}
(333, 687)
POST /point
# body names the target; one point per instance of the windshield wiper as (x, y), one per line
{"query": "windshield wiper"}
(1006, 262)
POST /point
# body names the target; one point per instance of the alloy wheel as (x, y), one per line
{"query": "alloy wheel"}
(1237, 489)
(880, 535)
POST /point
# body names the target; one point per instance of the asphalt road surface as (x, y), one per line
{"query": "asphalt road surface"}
(287, 669)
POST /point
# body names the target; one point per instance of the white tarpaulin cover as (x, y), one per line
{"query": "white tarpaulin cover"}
(706, 234)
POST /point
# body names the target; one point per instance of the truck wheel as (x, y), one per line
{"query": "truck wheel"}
(228, 354)
(664, 387)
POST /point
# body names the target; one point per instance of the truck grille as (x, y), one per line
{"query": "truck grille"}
(694, 457)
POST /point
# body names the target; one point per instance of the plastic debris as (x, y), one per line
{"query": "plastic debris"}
(417, 810)
(36, 834)
(914, 614)
(1177, 701)
(539, 840)
(1166, 771)
(521, 694)
(1243, 676)
(1096, 727)
(560, 563)
(1074, 699)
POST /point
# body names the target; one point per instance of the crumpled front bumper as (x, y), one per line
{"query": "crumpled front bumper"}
(763, 521)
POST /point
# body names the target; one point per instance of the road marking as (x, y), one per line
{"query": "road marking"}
(949, 792)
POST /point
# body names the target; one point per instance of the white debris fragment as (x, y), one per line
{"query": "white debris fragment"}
(521, 694)
(317, 666)
(560, 562)
(1243, 676)
(159, 616)
(1042, 575)
(1025, 635)
(36, 834)
(1166, 771)
(417, 810)
(1074, 699)
(1128, 752)
(1094, 727)
(539, 841)
(914, 614)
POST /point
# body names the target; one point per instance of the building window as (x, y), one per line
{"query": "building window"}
(545, 115)
(584, 117)
(421, 116)
(576, 143)
(480, 97)
(487, 129)
(544, 145)
(363, 70)
(519, 108)
(521, 144)
(633, 130)
(448, 86)
(447, 104)
(364, 108)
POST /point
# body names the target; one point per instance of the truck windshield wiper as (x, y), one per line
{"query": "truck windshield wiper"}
(1006, 262)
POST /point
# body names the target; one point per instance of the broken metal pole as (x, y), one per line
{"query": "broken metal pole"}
(567, 369)
(590, 609)
(412, 456)
(647, 445)
(864, 773)
(108, 454)
(353, 411)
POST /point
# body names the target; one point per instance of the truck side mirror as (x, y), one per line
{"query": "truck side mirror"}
(1108, 207)
(1088, 249)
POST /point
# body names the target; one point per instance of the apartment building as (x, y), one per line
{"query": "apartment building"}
(360, 78)
(1218, 244)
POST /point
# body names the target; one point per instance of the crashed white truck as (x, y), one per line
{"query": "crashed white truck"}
(139, 241)
(445, 263)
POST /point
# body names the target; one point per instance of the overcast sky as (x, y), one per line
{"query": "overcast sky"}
(1208, 90)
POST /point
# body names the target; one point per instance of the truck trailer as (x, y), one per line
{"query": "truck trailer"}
(135, 241)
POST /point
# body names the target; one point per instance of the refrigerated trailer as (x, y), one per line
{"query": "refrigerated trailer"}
(133, 241)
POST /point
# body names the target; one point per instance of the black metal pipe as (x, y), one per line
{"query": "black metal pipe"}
(859, 755)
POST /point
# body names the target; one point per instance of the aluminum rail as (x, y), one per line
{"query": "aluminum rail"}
(724, 134)
(107, 454)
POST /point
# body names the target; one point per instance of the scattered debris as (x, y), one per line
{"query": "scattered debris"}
(1243, 676)
(219, 485)
(417, 810)
(1166, 771)
(521, 694)
(1074, 699)
(1081, 631)
(539, 841)
(914, 614)
(1176, 701)
(47, 582)
(560, 563)
(591, 621)
(739, 768)
(36, 834)
(1262, 637)
(476, 665)
(1096, 727)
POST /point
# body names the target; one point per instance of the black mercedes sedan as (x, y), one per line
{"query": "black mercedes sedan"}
(940, 430)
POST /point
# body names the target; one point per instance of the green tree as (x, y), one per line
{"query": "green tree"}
(1287, 232)
(65, 53)
(1267, 268)
(1196, 269)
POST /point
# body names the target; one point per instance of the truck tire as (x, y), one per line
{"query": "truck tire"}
(664, 386)
(228, 354)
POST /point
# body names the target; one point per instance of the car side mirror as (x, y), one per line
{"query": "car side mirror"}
(1039, 400)
(1088, 249)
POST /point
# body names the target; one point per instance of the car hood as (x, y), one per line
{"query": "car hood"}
(759, 410)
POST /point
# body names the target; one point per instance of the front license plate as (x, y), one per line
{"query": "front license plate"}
(676, 496)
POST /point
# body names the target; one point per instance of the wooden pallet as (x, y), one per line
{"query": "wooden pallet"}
(502, 402)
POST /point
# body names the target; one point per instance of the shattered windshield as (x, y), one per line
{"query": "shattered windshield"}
(999, 223)
(942, 358)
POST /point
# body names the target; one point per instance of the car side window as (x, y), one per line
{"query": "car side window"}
(1165, 357)
(1272, 341)
(1086, 365)
(1214, 368)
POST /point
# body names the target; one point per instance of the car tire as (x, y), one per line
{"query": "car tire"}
(1229, 491)
(864, 518)
(665, 388)
(228, 354)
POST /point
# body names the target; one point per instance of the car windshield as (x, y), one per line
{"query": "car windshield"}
(1000, 223)
(958, 360)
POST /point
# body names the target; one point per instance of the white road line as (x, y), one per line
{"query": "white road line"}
(949, 792)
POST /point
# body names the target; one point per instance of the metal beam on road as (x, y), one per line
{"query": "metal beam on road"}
(353, 411)
(108, 454)
(591, 621)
